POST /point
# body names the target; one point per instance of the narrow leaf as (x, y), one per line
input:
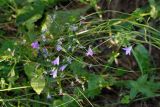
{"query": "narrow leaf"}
(142, 57)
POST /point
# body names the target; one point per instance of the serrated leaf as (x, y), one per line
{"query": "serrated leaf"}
(142, 57)
(38, 84)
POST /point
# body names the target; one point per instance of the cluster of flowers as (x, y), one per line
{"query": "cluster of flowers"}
(56, 62)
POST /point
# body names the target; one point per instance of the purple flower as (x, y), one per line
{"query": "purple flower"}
(45, 52)
(56, 61)
(58, 47)
(54, 73)
(35, 45)
(128, 50)
(62, 68)
(89, 52)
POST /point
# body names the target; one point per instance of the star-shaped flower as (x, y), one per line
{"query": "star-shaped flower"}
(58, 47)
(89, 52)
(128, 50)
(63, 67)
(56, 61)
(35, 45)
(54, 73)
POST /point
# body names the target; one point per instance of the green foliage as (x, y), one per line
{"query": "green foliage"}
(38, 84)
(142, 57)
(58, 103)
(95, 84)
(29, 69)
(30, 14)
(78, 69)
(154, 10)
(30, 77)
(125, 99)
(91, 2)
(143, 86)
(61, 20)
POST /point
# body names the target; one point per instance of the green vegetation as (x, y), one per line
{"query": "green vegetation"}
(77, 53)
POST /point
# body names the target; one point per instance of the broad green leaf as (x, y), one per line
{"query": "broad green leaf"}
(58, 103)
(133, 93)
(70, 101)
(29, 69)
(31, 12)
(77, 69)
(142, 57)
(95, 84)
(7, 44)
(125, 99)
(154, 11)
(144, 86)
(38, 84)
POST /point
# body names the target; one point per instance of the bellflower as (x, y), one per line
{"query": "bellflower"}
(49, 96)
(127, 50)
(35, 45)
(62, 68)
(56, 61)
(89, 52)
(45, 52)
(58, 47)
(54, 73)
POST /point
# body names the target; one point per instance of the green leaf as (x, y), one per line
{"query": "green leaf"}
(12, 76)
(142, 57)
(29, 69)
(3, 2)
(70, 101)
(77, 69)
(38, 84)
(7, 44)
(59, 103)
(154, 11)
(59, 24)
(31, 12)
(125, 99)
(144, 86)
(95, 84)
